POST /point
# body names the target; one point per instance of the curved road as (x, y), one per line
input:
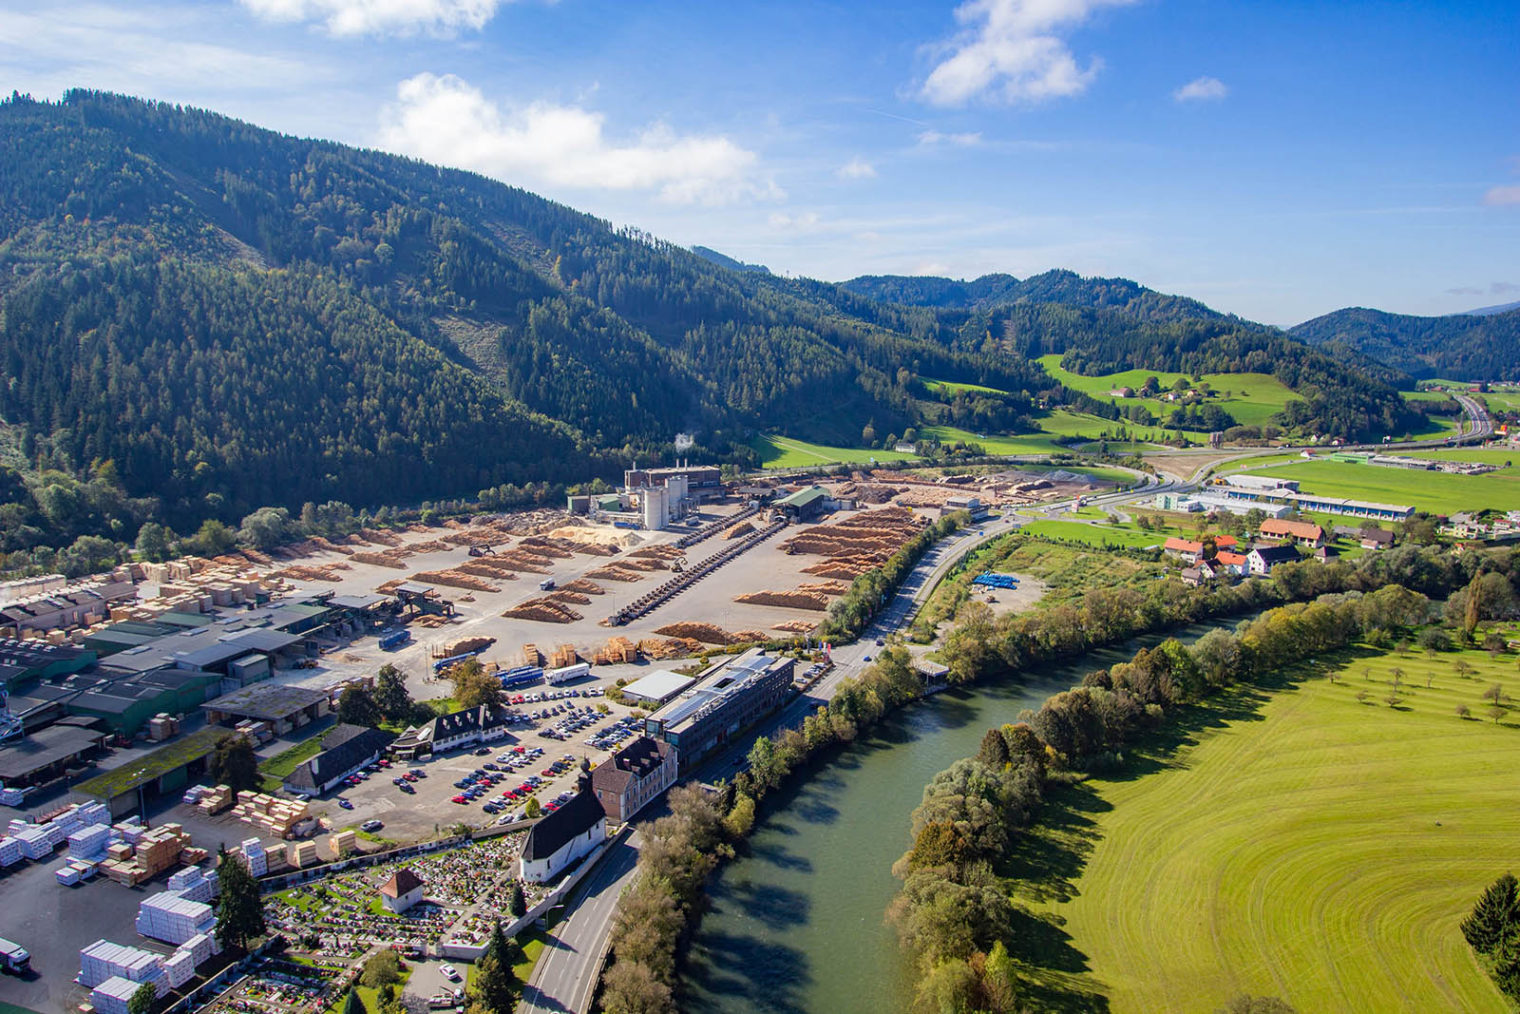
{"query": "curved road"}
(564, 979)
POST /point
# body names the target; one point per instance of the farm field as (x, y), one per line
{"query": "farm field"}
(1097, 536)
(1301, 843)
(1254, 399)
(1057, 424)
(951, 386)
(1436, 492)
(785, 452)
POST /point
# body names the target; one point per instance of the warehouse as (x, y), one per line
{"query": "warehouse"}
(24, 662)
(727, 697)
(655, 689)
(345, 749)
(168, 769)
(48, 754)
(125, 701)
(277, 632)
(803, 505)
(283, 707)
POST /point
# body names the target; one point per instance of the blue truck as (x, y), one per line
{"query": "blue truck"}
(393, 639)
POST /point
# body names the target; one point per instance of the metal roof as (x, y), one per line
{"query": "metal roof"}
(658, 686)
(803, 497)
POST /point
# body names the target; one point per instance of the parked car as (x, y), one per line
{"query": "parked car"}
(345, 804)
(371, 826)
(407, 788)
(449, 972)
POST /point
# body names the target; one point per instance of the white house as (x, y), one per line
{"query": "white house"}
(1264, 558)
(563, 837)
(401, 892)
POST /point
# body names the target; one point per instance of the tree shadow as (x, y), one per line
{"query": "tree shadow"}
(778, 908)
(729, 968)
(1045, 861)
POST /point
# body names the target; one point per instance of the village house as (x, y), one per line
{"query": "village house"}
(1302, 533)
(1263, 558)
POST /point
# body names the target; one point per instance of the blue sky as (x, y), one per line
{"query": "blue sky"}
(1277, 160)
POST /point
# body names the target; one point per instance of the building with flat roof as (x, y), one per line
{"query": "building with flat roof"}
(276, 632)
(46, 754)
(283, 707)
(702, 481)
(633, 776)
(1260, 483)
(656, 688)
(726, 698)
(128, 788)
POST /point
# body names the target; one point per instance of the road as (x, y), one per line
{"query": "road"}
(564, 979)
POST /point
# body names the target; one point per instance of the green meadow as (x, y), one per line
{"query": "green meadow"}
(1437, 492)
(1253, 398)
(1312, 840)
(785, 452)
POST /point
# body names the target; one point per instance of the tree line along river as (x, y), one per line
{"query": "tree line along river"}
(797, 924)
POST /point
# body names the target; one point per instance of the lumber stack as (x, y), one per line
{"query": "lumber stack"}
(270, 813)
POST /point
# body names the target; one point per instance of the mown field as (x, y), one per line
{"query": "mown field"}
(1307, 840)
(1437, 492)
(785, 452)
(1099, 536)
(1253, 398)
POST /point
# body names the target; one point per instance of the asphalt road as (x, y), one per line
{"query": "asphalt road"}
(564, 978)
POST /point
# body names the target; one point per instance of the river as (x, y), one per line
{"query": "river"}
(796, 924)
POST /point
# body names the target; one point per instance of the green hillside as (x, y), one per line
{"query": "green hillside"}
(1298, 847)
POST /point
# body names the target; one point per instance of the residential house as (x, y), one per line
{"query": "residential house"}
(1233, 564)
(633, 776)
(1194, 576)
(1302, 533)
(1187, 549)
(1263, 558)
(1376, 538)
(562, 837)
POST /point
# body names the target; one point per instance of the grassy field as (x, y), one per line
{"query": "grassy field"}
(1059, 423)
(1253, 399)
(1298, 842)
(1437, 492)
(1097, 536)
(785, 452)
(951, 386)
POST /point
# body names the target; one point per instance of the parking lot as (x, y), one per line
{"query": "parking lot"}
(539, 758)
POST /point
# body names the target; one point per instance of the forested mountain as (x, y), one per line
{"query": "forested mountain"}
(236, 317)
(1105, 325)
(1463, 346)
(199, 318)
(1064, 287)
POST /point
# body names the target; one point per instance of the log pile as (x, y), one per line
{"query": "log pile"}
(488, 568)
(618, 649)
(857, 544)
(807, 596)
(565, 595)
(671, 647)
(583, 586)
(740, 530)
(656, 553)
(795, 626)
(531, 655)
(707, 633)
(448, 649)
(387, 558)
(312, 572)
(454, 579)
(543, 610)
(564, 655)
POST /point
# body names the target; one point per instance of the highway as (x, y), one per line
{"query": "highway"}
(564, 979)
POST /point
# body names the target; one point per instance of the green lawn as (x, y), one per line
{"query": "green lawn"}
(952, 386)
(1299, 843)
(1059, 423)
(277, 768)
(1437, 492)
(785, 452)
(1253, 397)
(1098, 536)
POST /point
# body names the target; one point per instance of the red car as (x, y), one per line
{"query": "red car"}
(459, 799)
(410, 776)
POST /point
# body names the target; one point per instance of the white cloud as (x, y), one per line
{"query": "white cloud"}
(806, 221)
(1010, 50)
(1498, 196)
(1201, 89)
(380, 17)
(445, 119)
(929, 138)
(856, 169)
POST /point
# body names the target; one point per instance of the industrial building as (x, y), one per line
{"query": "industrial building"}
(283, 707)
(803, 505)
(700, 482)
(970, 504)
(61, 606)
(244, 646)
(48, 754)
(23, 662)
(345, 749)
(562, 837)
(127, 789)
(656, 688)
(726, 698)
(633, 776)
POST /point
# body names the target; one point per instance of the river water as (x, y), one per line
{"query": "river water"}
(796, 925)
